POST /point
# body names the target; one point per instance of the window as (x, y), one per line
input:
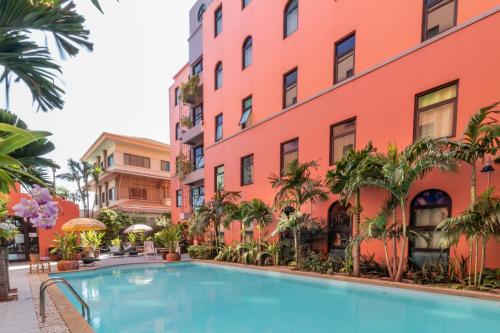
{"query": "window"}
(344, 58)
(165, 166)
(177, 96)
(111, 160)
(139, 193)
(103, 197)
(245, 3)
(290, 88)
(342, 139)
(197, 197)
(248, 236)
(247, 111)
(436, 112)
(247, 170)
(439, 15)
(198, 158)
(138, 161)
(198, 67)
(291, 17)
(178, 131)
(219, 178)
(289, 153)
(178, 198)
(197, 115)
(111, 194)
(201, 11)
(218, 21)
(428, 209)
(247, 52)
(219, 121)
(339, 229)
(218, 75)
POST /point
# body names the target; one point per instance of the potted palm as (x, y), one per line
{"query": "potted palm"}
(169, 238)
(66, 245)
(91, 242)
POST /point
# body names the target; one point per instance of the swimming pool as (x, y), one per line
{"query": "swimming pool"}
(196, 297)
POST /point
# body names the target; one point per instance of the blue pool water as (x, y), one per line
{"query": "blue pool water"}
(194, 297)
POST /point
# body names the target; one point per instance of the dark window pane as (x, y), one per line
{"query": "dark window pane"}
(198, 67)
(219, 120)
(345, 46)
(245, 3)
(201, 11)
(247, 53)
(198, 158)
(218, 76)
(137, 161)
(197, 115)
(247, 111)
(344, 59)
(247, 170)
(291, 17)
(440, 16)
(291, 78)
(219, 178)
(218, 21)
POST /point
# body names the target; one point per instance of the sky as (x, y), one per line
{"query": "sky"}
(122, 86)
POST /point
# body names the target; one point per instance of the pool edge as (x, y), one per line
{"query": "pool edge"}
(365, 281)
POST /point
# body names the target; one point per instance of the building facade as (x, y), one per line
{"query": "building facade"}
(135, 174)
(282, 80)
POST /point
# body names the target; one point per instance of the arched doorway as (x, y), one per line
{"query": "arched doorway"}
(339, 229)
(428, 209)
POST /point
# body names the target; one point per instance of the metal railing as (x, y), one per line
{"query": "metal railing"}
(45, 284)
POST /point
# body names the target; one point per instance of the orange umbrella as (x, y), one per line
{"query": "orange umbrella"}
(82, 224)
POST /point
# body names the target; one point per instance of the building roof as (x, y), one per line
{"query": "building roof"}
(127, 139)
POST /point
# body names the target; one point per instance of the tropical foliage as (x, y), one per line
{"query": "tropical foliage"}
(259, 212)
(80, 173)
(169, 237)
(65, 244)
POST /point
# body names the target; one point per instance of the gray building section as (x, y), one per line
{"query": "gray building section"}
(195, 30)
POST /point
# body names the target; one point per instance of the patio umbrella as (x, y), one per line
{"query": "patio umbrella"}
(136, 228)
(82, 224)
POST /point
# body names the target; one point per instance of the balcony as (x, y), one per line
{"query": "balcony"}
(194, 177)
(193, 136)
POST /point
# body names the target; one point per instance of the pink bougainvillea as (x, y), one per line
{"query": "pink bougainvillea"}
(41, 211)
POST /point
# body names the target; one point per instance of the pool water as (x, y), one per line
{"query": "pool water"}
(195, 297)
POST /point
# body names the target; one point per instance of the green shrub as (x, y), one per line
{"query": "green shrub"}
(431, 272)
(200, 252)
(371, 268)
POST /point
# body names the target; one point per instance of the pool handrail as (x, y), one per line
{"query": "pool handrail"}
(50, 281)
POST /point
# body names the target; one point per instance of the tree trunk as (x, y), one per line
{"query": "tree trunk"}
(483, 258)
(260, 247)
(296, 246)
(470, 261)
(356, 249)
(394, 246)
(473, 186)
(4, 273)
(399, 273)
(389, 268)
(476, 259)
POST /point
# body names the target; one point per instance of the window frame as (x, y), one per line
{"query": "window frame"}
(417, 111)
(242, 168)
(110, 157)
(244, 110)
(178, 131)
(286, 12)
(217, 11)
(295, 69)
(335, 57)
(167, 165)
(201, 12)
(243, 5)
(216, 169)
(198, 62)
(193, 115)
(202, 157)
(243, 52)
(218, 68)
(198, 189)
(332, 138)
(425, 18)
(144, 158)
(217, 117)
(178, 198)
(143, 190)
(282, 153)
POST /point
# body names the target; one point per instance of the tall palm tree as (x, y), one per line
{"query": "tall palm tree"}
(479, 220)
(338, 180)
(296, 188)
(96, 173)
(258, 211)
(219, 211)
(399, 171)
(79, 173)
(23, 59)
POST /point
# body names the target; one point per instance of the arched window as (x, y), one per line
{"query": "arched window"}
(428, 209)
(339, 229)
(291, 17)
(247, 52)
(178, 132)
(201, 11)
(218, 75)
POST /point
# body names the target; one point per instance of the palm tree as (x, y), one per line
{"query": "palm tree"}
(480, 220)
(339, 179)
(258, 211)
(96, 173)
(219, 211)
(297, 187)
(398, 172)
(25, 60)
(79, 173)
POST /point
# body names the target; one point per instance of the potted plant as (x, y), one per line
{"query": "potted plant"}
(169, 238)
(191, 91)
(115, 245)
(186, 122)
(91, 242)
(66, 245)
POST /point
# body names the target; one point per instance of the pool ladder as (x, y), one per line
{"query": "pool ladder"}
(45, 284)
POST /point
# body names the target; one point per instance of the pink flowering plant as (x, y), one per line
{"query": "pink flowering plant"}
(41, 210)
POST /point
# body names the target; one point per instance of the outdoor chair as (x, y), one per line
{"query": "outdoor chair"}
(115, 251)
(149, 250)
(89, 261)
(37, 263)
(131, 251)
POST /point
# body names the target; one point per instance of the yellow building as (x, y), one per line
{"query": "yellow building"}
(135, 174)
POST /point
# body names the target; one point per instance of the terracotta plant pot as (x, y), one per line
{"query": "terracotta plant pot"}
(67, 265)
(173, 257)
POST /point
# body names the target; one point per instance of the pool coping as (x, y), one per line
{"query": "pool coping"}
(77, 324)
(363, 280)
